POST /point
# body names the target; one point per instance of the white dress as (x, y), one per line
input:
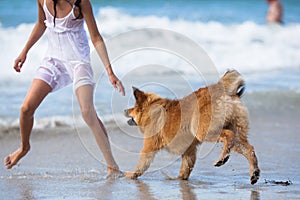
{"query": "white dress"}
(68, 56)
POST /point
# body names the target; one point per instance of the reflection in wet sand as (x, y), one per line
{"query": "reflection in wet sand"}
(254, 195)
(187, 191)
(26, 191)
(144, 190)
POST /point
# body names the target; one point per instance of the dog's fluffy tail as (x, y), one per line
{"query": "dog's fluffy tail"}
(233, 83)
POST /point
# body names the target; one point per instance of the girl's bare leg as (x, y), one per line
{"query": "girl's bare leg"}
(86, 102)
(37, 92)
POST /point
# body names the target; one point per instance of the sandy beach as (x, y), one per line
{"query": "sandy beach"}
(64, 163)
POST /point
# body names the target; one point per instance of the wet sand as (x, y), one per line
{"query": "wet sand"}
(64, 164)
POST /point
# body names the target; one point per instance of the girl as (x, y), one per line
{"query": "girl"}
(67, 61)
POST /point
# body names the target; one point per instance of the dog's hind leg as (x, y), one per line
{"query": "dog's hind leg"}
(243, 147)
(188, 162)
(227, 138)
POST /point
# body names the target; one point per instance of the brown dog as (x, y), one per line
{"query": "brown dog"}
(211, 114)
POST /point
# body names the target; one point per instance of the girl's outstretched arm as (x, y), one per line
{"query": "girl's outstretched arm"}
(97, 40)
(35, 35)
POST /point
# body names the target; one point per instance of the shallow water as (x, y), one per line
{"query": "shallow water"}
(66, 164)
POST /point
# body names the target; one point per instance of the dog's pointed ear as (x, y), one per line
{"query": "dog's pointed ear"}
(134, 88)
(138, 94)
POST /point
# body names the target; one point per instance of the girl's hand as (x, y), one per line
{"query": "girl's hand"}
(116, 83)
(19, 62)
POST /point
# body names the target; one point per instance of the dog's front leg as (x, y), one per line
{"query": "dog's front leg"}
(146, 157)
(143, 164)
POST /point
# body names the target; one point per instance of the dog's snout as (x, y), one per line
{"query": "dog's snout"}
(131, 122)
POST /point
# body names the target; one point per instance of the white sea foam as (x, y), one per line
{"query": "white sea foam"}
(249, 47)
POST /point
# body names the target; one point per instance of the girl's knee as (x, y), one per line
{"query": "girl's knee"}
(89, 115)
(27, 110)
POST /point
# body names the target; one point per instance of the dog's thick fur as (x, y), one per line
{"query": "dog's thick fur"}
(211, 114)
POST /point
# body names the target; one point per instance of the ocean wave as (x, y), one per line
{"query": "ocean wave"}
(283, 101)
(248, 47)
(267, 56)
(10, 124)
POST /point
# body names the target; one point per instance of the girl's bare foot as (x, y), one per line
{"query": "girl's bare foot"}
(114, 173)
(14, 158)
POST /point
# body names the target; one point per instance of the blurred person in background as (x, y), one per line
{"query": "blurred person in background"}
(275, 12)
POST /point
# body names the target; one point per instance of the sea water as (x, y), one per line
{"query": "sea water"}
(231, 33)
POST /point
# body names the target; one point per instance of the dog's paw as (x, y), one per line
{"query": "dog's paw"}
(221, 162)
(255, 176)
(182, 177)
(131, 175)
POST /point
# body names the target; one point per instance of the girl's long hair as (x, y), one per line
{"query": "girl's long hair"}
(77, 4)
